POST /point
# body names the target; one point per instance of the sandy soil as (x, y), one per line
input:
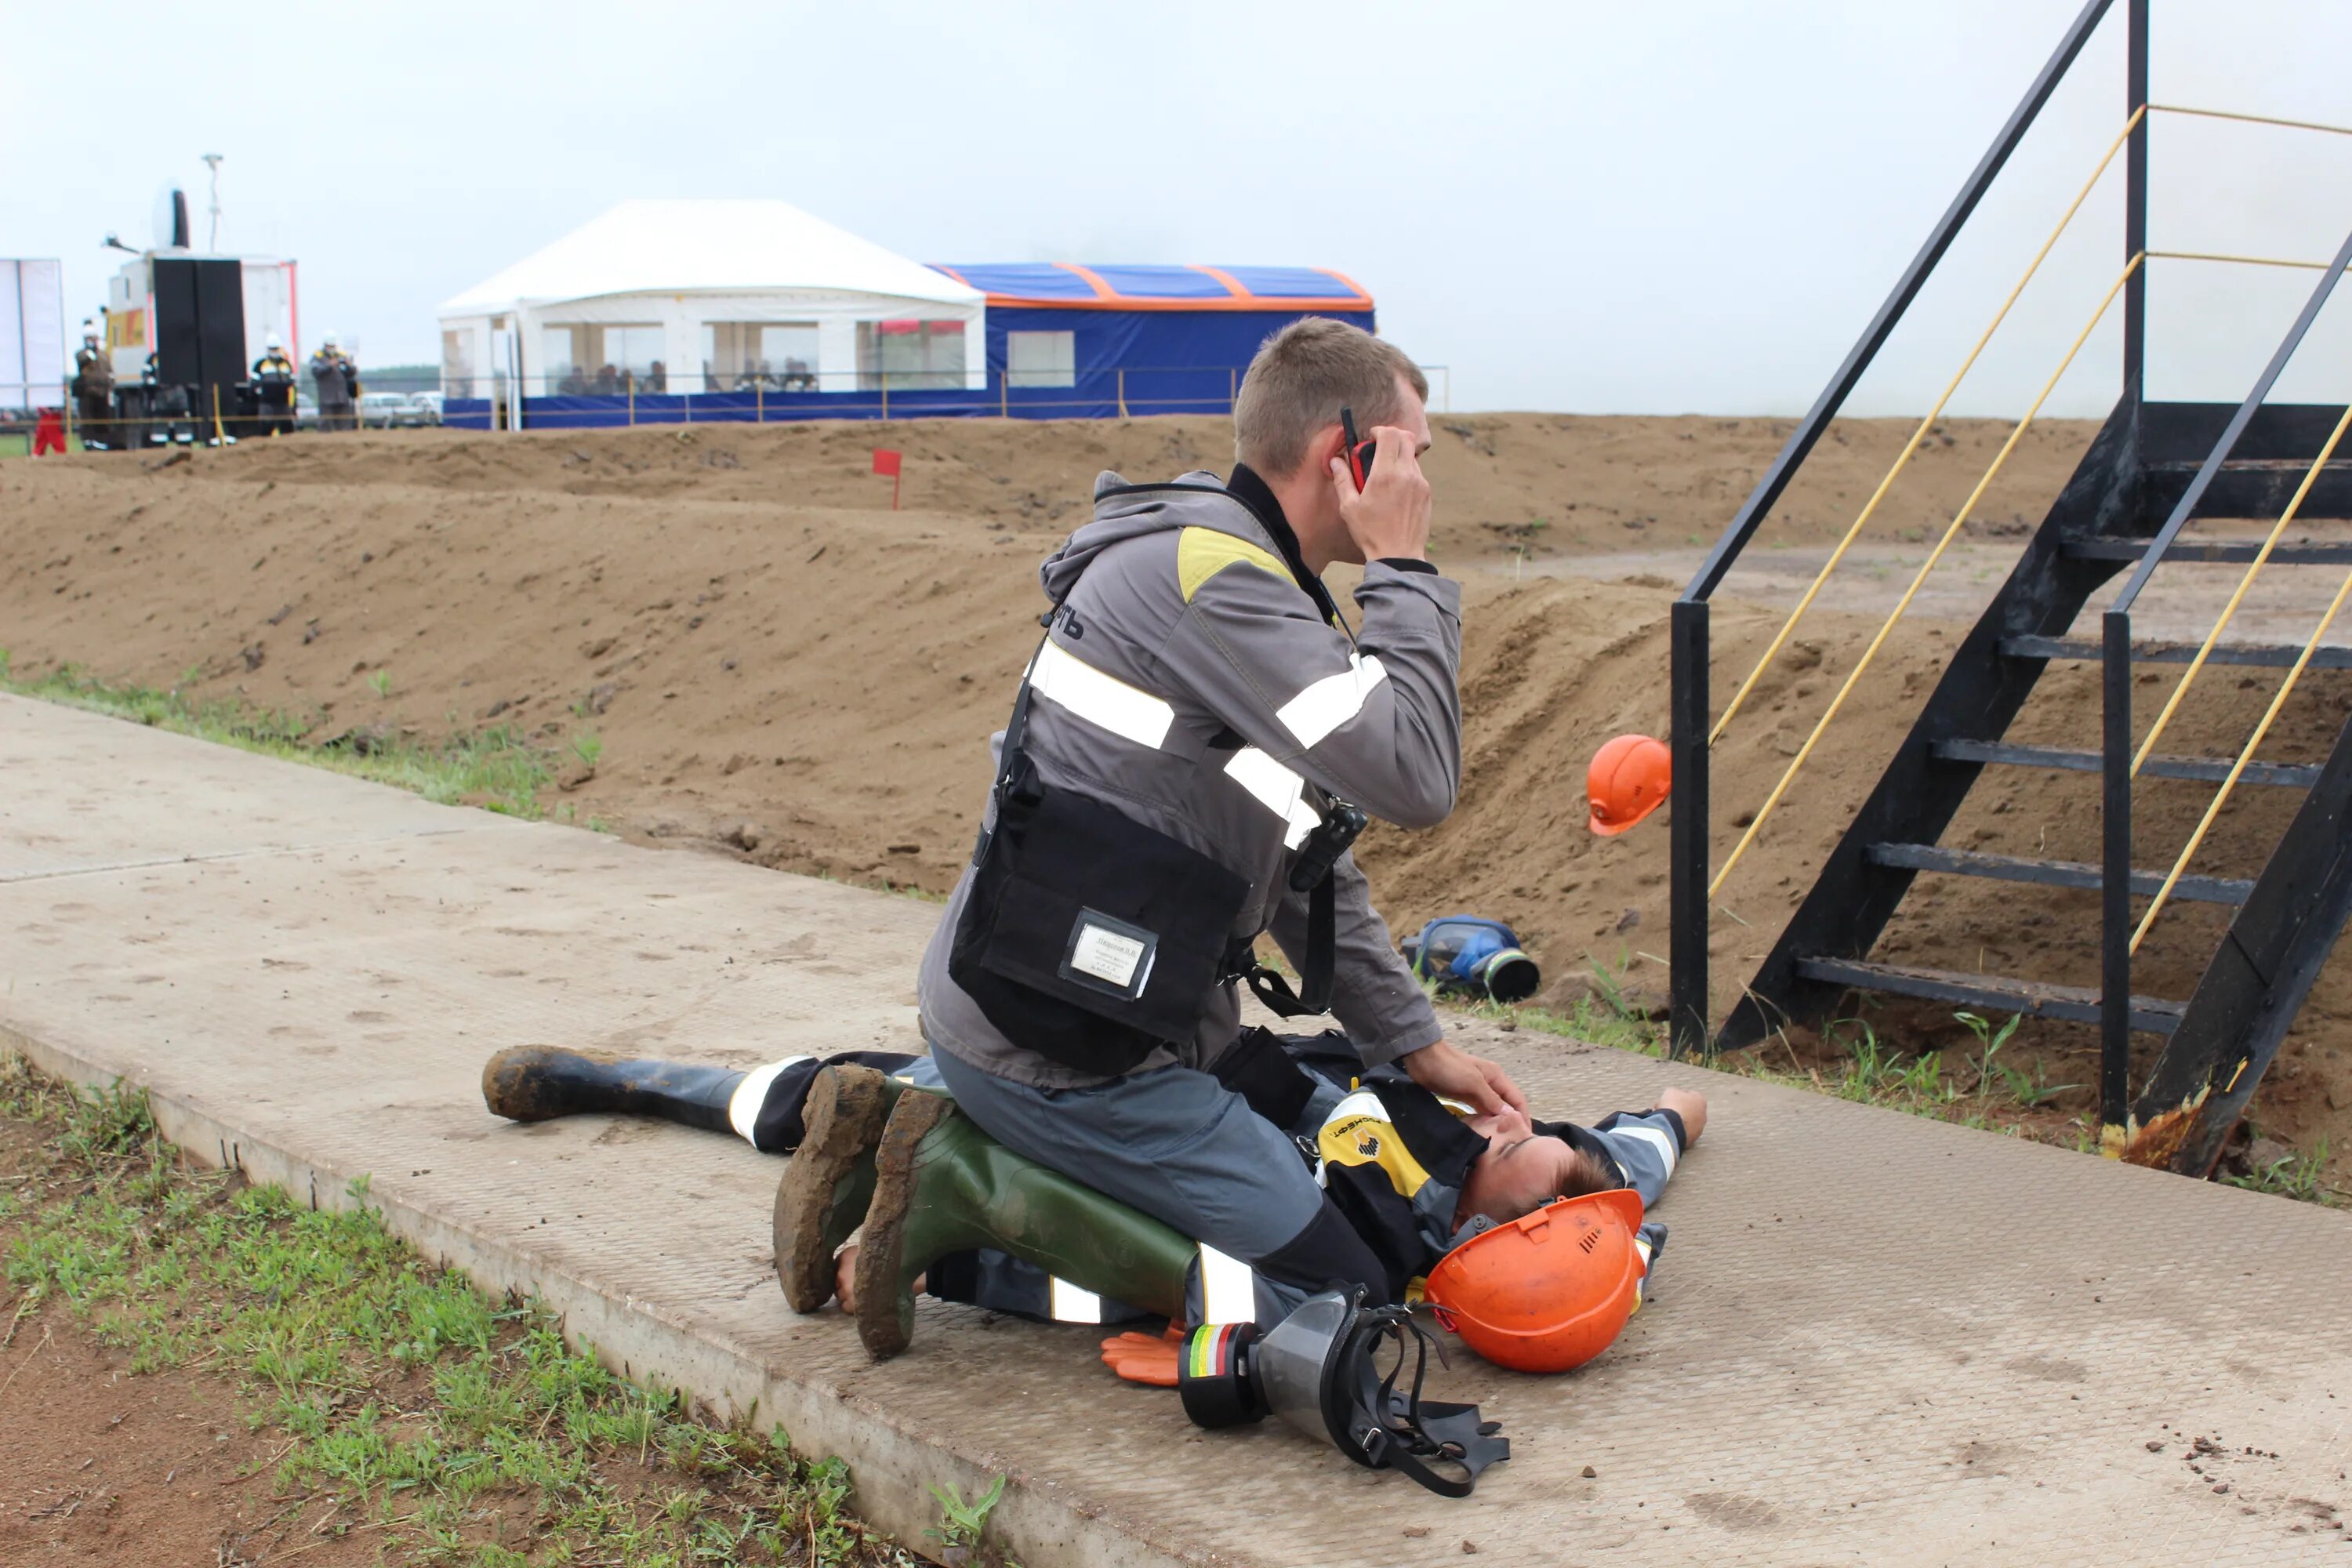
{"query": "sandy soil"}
(779, 667)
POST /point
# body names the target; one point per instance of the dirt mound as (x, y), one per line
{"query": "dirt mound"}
(1532, 483)
(776, 666)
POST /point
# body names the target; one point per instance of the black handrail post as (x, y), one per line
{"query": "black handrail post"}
(2135, 204)
(1686, 1018)
(2186, 508)
(1816, 421)
(2115, 880)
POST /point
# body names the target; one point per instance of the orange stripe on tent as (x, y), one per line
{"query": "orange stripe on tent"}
(952, 273)
(1102, 289)
(1346, 282)
(1228, 279)
(1353, 303)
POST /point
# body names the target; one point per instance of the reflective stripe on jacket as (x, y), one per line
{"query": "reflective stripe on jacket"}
(1191, 683)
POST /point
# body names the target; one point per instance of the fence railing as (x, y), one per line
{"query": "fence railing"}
(628, 399)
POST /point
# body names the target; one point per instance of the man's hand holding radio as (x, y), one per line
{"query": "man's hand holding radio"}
(1389, 518)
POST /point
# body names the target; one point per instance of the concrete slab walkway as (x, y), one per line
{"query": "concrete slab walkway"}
(1874, 1339)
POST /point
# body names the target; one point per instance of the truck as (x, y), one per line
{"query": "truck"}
(182, 329)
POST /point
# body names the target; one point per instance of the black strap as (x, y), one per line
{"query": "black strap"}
(1008, 757)
(1314, 992)
(1414, 1435)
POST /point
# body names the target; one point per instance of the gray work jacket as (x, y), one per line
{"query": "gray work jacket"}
(1193, 685)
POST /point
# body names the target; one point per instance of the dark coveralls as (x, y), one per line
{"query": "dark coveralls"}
(93, 393)
(339, 388)
(273, 379)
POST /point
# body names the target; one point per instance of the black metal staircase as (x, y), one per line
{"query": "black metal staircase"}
(2153, 469)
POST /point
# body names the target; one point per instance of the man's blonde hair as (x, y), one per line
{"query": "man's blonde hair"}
(1301, 378)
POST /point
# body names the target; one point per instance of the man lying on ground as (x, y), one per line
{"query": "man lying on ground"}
(944, 1207)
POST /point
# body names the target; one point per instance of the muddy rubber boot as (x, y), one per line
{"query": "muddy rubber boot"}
(823, 1196)
(942, 1185)
(538, 1083)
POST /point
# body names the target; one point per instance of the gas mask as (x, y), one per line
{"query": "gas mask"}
(1318, 1370)
(1471, 957)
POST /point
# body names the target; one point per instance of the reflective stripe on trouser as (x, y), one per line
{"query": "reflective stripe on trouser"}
(766, 1106)
(1179, 1146)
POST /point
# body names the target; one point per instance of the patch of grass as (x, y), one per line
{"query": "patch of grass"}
(1607, 1016)
(963, 1524)
(461, 1427)
(498, 768)
(2301, 1177)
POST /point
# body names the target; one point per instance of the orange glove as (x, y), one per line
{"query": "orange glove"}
(1145, 1358)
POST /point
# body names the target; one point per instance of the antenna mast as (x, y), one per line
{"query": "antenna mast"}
(213, 162)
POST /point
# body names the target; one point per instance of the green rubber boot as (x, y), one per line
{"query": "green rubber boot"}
(829, 1179)
(942, 1185)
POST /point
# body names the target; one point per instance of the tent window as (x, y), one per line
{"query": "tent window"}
(739, 356)
(585, 360)
(915, 355)
(1041, 359)
(457, 365)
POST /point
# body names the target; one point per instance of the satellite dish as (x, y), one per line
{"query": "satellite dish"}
(171, 217)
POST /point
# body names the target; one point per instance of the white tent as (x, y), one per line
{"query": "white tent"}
(711, 296)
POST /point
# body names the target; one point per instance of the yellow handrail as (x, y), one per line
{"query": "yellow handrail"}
(2301, 662)
(1903, 603)
(2244, 583)
(1870, 508)
(2240, 260)
(2253, 119)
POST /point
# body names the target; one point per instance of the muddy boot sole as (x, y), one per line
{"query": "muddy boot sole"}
(843, 1118)
(886, 1309)
(530, 1083)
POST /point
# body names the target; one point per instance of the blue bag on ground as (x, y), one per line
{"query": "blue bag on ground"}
(1468, 956)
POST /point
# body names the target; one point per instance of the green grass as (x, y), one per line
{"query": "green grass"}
(460, 1427)
(498, 768)
(2298, 1176)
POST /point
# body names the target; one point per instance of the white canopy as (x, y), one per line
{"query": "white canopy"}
(702, 246)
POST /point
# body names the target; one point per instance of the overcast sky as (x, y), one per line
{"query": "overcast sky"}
(1578, 205)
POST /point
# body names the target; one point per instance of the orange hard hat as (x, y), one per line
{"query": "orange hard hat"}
(1629, 779)
(1549, 1291)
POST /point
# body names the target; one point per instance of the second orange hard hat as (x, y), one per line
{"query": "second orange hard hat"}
(1630, 777)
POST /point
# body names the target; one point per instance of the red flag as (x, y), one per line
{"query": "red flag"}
(886, 461)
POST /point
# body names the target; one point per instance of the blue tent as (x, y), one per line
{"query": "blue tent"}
(1062, 341)
(1069, 341)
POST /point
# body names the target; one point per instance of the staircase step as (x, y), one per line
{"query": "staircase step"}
(2212, 770)
(2051, 873)
(2269, 656)
(1991, 993)
(2112, 547)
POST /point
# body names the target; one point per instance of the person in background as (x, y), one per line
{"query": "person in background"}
(573, 384)
(274, 376)
(655, 381)
(608, 381)
(93, 390)
(338, 381)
